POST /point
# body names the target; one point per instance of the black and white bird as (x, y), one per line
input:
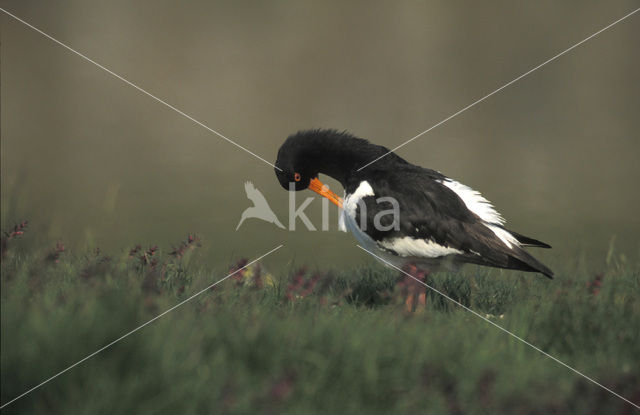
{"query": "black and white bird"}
(440, 223)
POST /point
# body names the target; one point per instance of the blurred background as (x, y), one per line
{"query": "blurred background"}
(93, 162)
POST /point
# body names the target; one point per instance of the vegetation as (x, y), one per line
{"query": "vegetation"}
(309, 342)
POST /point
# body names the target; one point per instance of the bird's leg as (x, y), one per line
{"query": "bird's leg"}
(416, 293)
(407, 287)
(408, 303)
(422, 297)
(422, 300)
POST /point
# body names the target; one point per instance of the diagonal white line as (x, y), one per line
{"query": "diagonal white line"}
(501, 328)
(137, 328)
(140, 89)
(501, 88)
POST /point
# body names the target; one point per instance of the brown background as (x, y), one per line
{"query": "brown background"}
(94, 162)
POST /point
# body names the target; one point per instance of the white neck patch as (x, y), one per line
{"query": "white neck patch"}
(351, 202)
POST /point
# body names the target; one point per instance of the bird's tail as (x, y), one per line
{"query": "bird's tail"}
(526, 241)
(524, 261)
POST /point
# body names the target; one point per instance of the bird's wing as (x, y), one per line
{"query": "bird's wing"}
(435, 220)
(255, 195)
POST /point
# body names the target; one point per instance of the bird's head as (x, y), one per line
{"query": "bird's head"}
(297, 167)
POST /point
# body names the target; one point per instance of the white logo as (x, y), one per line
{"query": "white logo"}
(260, 208)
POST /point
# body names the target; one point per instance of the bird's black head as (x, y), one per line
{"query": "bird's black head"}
(334, 153)
(306, 154)
(293, 169)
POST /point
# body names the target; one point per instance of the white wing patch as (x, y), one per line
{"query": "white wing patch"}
(504, 235)
(476, 203)
(411, 247)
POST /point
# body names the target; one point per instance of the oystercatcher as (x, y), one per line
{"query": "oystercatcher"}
(438, 223)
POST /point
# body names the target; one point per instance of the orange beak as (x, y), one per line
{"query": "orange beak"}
(318, 187)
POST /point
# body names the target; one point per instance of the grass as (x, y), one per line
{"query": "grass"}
(309, 342)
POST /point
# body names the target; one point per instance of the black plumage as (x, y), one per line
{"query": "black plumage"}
(429, 210)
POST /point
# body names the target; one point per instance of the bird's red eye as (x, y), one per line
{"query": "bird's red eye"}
(296, 177)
